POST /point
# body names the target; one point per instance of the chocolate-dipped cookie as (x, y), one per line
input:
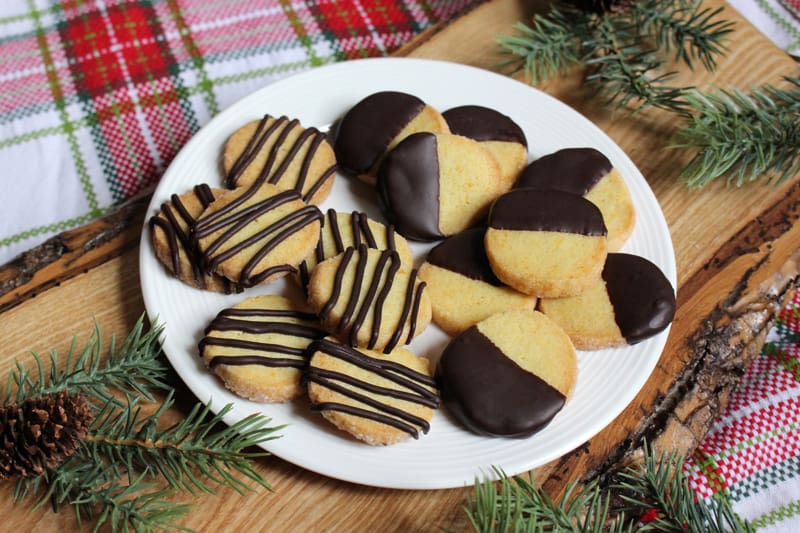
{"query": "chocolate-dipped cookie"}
(435, 185)
(369, 298)
(376, 124)
(259, 347)
(548, 244)
(496, 132)
(170, 230)
(508, 375)
(378, 398)
(345, 230)
(631, 302)
(255, 235)
(462, 287)
(282, 152)
(588, 173)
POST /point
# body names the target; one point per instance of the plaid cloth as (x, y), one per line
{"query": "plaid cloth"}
(752, 453)
(96, 98)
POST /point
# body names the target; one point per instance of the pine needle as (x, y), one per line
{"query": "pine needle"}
(135, 367)
(742, 137)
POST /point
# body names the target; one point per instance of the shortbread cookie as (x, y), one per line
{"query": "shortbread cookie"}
(377, 124)
(588, 173)
(632, 302)
(546, 243)
(255, 235)
(508, 375)
(435, 185)
(344, 230)
(259, 347)
(170, 230)
(495, 131)
(282, 152)
(369, 298)
(378, 398)
(461, 285)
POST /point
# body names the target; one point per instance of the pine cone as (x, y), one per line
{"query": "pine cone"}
(41, 432)
(600, 6)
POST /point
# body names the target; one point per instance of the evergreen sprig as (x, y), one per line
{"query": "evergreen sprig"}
(516, 504)
(135, 367)
(742, 137)
(126, 472)
(625, 50)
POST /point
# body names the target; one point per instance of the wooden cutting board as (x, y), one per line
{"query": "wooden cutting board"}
(737, 256)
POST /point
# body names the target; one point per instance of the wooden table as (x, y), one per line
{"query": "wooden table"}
(737, 256)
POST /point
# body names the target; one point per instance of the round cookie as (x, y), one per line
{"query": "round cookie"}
(344, 230)
(369, 298)
(433, 185)
(496, 132)
(461, 285)
(255, 235)
(259, 347)
(170, 230)
(588, 173)
(378, 398)
(281, 152)
(508, 375)
(546, 243)
(632, 302)
(376, 124)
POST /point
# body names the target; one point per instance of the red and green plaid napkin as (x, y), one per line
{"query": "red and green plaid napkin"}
(96, 98)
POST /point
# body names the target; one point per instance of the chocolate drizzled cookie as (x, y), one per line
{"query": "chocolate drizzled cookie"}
(281, 152)
(369, 298)
(378, 398)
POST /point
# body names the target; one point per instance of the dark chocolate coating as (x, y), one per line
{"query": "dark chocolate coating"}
(368, 127)
(483, 124)
(642, 297)
(464, 254)
(491, 394)
(535, 210)
(408, 187)
(574, 170)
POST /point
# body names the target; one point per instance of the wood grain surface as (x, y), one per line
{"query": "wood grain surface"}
(737, 257)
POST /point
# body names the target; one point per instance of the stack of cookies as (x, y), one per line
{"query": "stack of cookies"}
(526, 268)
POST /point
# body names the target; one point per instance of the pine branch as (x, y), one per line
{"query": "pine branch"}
(743, 137)
(549, 47)
(624, 50)
(660, 484)
(133, 368)
(694, 32)
(199, 443)
(516, 504)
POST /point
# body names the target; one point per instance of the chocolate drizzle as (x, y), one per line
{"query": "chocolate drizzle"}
(279, 130)
(408, 187)
(465, 254)
(367, 129)
(573, 170)
(231, 222)
(171, 219)
(412, 386)
(275, 322)
(361, 232)
(490, 393)
(642, 297)
(534, 210)
(378, 283)
(483, 124)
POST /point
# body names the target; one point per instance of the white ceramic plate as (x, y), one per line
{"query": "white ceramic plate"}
(448, 456)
